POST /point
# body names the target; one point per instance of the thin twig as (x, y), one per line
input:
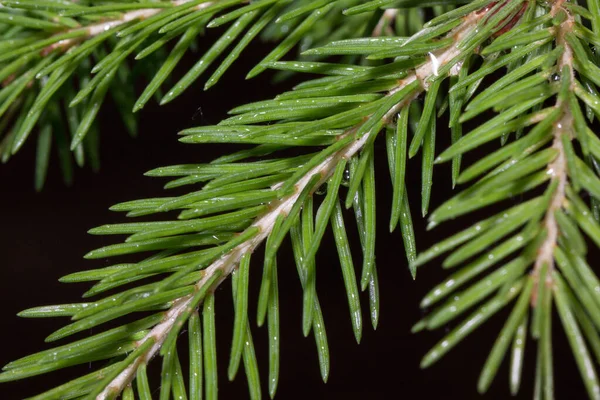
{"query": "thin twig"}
(383, 25)
(558, 167)
(103, 26)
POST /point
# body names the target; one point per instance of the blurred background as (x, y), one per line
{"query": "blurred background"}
(43, 237)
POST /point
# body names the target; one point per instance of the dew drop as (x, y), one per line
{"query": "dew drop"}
(346, 178)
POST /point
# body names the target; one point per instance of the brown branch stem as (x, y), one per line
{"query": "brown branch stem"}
(102, 26)
(384, 24)
(558, 168)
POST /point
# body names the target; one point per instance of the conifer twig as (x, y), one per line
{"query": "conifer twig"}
(558, 167)
(103, 26)
(383, 25)
(265, 223)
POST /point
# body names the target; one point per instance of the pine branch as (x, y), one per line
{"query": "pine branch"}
(265, 224)
(548, 238)
(96, 29)
(558, 168)
(250, 198)
(52, 47)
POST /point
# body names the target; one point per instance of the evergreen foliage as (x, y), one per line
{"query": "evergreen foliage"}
(529, 69)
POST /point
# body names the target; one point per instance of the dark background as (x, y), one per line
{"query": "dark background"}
(43, 237)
